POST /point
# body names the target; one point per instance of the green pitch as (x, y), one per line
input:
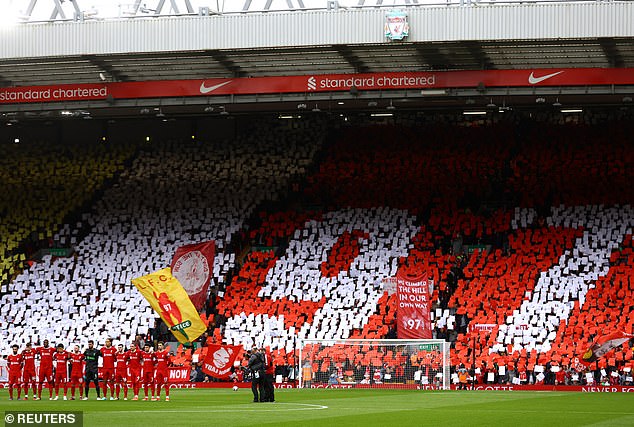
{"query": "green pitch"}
(334, 408)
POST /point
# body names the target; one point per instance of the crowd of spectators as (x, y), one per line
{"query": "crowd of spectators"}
(168, 194)
(527, 242)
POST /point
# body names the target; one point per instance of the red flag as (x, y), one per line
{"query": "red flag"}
(603, 345)
(413, 312)
(220, 359)
(192, 266)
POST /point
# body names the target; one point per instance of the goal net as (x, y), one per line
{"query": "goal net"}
(366, 363)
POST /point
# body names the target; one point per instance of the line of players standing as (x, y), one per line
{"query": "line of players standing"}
(136, 367)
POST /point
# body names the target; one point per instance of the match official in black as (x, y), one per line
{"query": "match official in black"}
(256, 366)
(269, 373)
(92, 356)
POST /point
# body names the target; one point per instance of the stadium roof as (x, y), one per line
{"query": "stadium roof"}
(451, 37)
(331, 59)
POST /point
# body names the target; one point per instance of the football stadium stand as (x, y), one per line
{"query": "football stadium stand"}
(523, 227)
(172, 193)
(527, 269)
(44, 182)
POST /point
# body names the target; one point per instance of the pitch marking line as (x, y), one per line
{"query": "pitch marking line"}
(271, 408)
(530, 411)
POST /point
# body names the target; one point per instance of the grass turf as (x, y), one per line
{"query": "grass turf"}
(224, 407)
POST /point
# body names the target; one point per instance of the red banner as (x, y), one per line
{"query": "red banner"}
(481, 387)
(486, 327)
(178, 374)
(319, 83)
(603, 345)
(485, 387)
(193, 266)
(413, 313)
(220, 359)
(574, 388)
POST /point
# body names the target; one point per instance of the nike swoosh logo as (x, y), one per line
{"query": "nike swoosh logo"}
(205, 89)
(534, 80)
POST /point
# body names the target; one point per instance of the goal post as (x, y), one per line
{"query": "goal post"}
(374, 363)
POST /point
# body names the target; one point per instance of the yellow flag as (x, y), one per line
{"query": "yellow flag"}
(168, 298)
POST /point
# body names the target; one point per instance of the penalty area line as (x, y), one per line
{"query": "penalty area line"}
(241, 407)
(535, 411)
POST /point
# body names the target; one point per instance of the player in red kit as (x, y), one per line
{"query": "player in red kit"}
(121, 373)
(161, 375)
(148, 370)
(133, 358)
(15, 371)
(46, 369)
(107, 370)
(60, 359)
(76, 372)
(28, 371)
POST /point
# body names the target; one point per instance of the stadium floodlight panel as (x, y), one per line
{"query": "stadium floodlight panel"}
(433, 92)
(572, 110)
(474, 113)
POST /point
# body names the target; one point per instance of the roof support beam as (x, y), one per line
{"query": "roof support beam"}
(227, 63)
(29, 9)
(247, 5)
(136, 6)
(116, 75)
(432, 56)
(59, 10)
(5, 82)
(612, 52)
(174, 5)
(352, 59)
(475, 50)
(361, 3)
